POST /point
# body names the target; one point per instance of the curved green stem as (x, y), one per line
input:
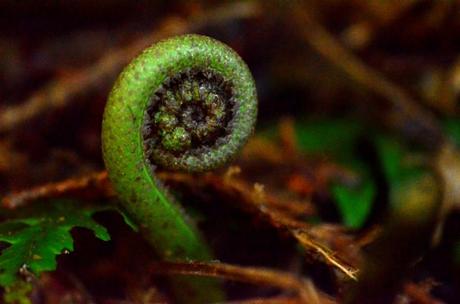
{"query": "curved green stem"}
(186, 103)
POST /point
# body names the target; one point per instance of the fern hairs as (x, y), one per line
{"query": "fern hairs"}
(186, 103)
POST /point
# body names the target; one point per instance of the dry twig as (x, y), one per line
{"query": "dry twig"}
(87, 185)
(259, 276)
(257, 201)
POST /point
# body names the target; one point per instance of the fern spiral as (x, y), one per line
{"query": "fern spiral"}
(186, 103)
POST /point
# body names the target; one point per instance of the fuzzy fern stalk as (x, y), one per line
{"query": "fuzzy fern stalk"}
(186, 103)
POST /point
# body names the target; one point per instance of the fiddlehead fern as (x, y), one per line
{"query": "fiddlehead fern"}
(186, 103)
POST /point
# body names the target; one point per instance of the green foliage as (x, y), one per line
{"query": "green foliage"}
(452, 129)
(37, 235)
(354, 203)
(392, 157)
(338, 139)
(334, 137)
(401, 166)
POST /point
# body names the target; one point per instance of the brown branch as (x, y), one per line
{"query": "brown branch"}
(258, 276)
(257, 201)
(84, 186)
(307, 241)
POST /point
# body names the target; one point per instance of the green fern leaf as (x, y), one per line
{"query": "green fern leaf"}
(38, 234)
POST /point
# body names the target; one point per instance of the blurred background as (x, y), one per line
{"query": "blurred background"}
(59, 59)
(354, 97)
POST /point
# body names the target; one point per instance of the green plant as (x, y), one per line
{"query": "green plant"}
(36, 235)
(186, 103)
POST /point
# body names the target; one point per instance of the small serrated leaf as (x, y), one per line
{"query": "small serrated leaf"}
(39, 234)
